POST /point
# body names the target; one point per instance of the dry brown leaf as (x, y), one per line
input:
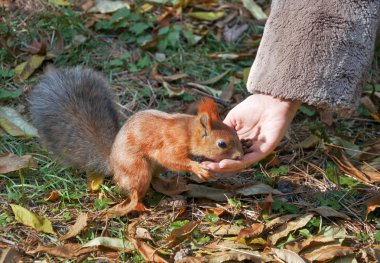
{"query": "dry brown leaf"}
(225, 230)
(231, 34)
(74, 230)
(372, 204)
(286, 228)
(148, 252)
(214, 79)
(10, 254)
(370, 151)
(160, 78)
(38, 47)
(54, 196)
(267, 204)
(346, 166)
(298, 246)
(279, 221)
(179, 235)
(287, 255)
(233, 256)
(172, 186)
(328, 253)
(374, 176)
(329, 212)
(201, 191)
(229, 91)
(10, 162)
(69, 250)
(191, 260)
(253, 231)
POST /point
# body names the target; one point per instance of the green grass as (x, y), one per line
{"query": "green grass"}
(114, 48)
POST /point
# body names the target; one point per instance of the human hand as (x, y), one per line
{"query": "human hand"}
(262, 119)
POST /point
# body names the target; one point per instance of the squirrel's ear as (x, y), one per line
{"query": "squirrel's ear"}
(205, 122)
(209, 107)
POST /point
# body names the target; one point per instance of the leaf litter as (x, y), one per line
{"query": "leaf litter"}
(240, 228)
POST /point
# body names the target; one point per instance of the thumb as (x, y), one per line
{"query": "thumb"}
(229, 120)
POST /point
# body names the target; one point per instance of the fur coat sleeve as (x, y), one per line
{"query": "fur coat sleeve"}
(318, 52)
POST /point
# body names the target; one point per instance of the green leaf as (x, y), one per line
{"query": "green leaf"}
(139, 28)
(120, 14)
(377, 236)
(307, 111)
(143, 62)
(6, 95)
(212, 218)
(281, 170)
(60, 2)
(305, 232)
(7, 73)
(178, 224)
(28, 218)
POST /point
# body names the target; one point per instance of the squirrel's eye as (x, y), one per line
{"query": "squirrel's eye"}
(222, 144)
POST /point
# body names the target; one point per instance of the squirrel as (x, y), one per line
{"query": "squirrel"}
(76, 118)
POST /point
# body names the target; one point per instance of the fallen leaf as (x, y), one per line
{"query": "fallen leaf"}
(149, 253)
(54, 196)
(326, 237)
(253, 231)
(214, 79)
(233, 256)
(26, 69)
(288, 227)
(267, 204)
(255, 10)
(142, 233)
(329, 212)
(328, 253)
(172, 186)
(225, 230)
(12, 122)
(74, 230)
(231, 56)
(226, 244)
(10, 254)
(207, 89)
(287, 255)
(179, 235)
(60, 2)
(108, 6)
(309, 142)
(370, 151)
(209, 16)
(38, 47)
(229, 91)
(373, 176)
(279, 221)
(94, 180)
(231, 34)
(10, 162)
(117, 244)
(372, 203)
(69, 250)
(257, 189)
(201, 191)
(346, 166)
(6, 94)
(371, 107)
(28, 218)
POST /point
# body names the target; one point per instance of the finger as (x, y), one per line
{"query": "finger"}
(229, 120)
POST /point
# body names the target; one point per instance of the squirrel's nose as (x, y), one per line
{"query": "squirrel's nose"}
(237, 155)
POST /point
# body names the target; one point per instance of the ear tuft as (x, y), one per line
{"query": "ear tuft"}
(209, 106)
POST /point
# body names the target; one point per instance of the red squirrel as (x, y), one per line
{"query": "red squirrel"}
(76, 119)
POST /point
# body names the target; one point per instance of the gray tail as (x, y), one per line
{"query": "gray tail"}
(76, 117)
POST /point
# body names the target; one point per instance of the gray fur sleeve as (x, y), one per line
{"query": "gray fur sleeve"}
(318, 52)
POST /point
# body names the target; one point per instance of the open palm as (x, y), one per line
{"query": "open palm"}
(262, 119)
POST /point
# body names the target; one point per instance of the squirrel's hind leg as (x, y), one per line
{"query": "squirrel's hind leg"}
(133, 174)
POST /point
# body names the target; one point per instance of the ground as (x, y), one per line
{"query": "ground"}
(313, 200)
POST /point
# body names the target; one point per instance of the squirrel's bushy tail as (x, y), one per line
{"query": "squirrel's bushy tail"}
(76, 117)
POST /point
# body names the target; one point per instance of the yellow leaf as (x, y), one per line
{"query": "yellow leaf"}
(60, 2)
(94, 180)
(209, 16)
(28, 218)
(26, 69)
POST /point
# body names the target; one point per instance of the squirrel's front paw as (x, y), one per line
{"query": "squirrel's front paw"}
(202, 172)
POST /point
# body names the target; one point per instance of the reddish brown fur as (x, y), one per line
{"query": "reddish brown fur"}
(152, 141)
(209, 106)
